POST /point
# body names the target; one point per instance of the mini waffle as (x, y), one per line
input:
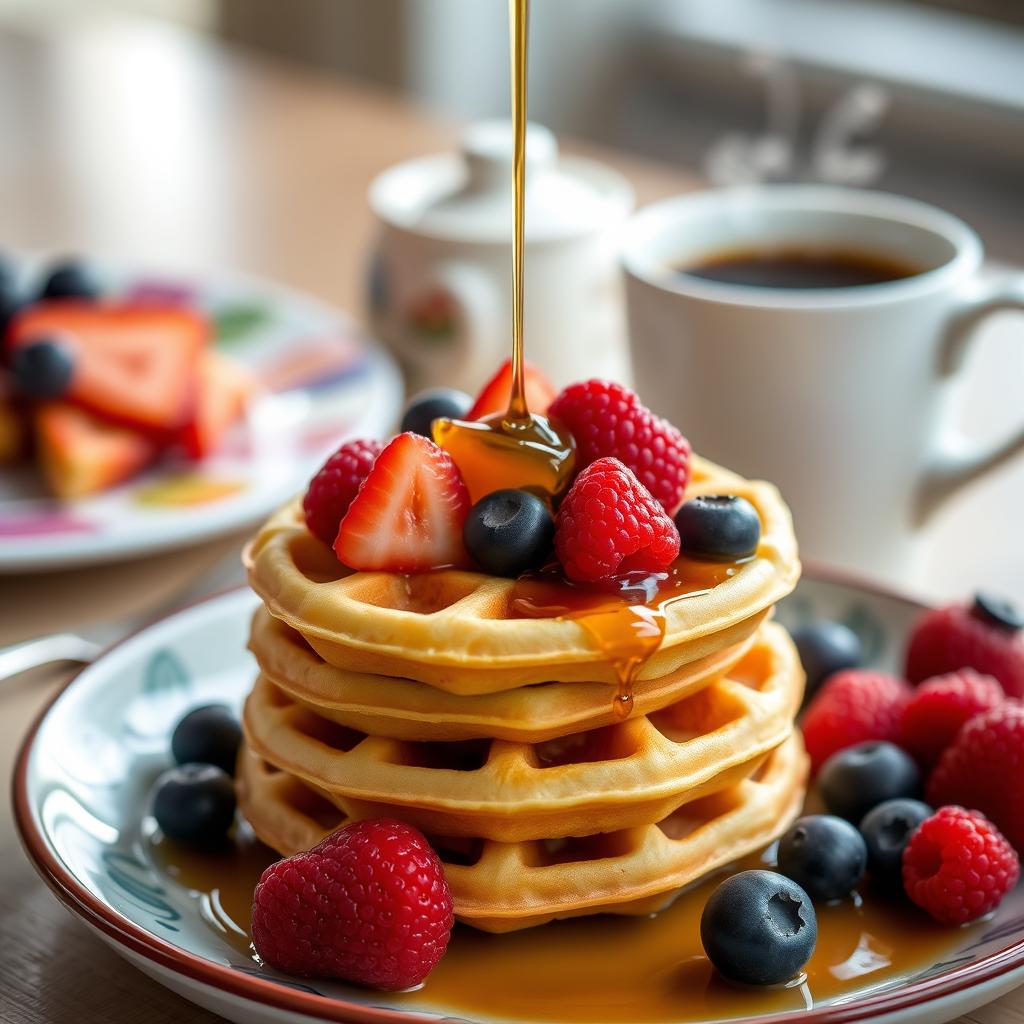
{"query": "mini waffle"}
(501, 887)
(631, 773)
(458, 630)
(406, 710)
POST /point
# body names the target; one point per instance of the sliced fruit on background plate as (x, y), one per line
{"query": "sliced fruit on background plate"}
(224, 388)
(133, 365)
(497, 392)
(80, 454)
(409, 513)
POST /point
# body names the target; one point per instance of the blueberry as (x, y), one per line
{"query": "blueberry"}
(208, 735)
(759, 928)
(825, 648)
(718, 527)
(854, 780)
(43, 368)
(194, 803)
(997, 611)
(887, 829)
(69, 279)
(824, 855)
(427, 406)
(508, 532)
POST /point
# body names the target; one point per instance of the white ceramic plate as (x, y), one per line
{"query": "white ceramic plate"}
(86, 766)
(325, 382)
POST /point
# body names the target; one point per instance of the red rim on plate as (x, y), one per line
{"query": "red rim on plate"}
(267, 992)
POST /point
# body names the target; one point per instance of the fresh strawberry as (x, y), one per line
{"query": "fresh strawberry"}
(985, 635)
(224, 389)
(983, 768)
(609, 524)
(81, 455)
(134, 366)
(940, 706)
(854, 706)
(497, 392)
(369, 904)
(409, 513)
(609, 421)
(331, 491)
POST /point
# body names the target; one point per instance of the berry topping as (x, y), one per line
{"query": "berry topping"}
(940, 706)
(853, 706)
(997, 611)
(207, 735)
(69, 279)
(825, 648)
(759, 928)
(422, 409)
(509, 532)
(409, 513)
(43, 369)
(722, 528)
(608, 420)
(609, 525)
(983, 768)
(887, 829)
(857, 779)
(952, 638)
(958, 866)
(497, 392)
(824, 855)
(369, 904)
(331, 491)
(194, 803)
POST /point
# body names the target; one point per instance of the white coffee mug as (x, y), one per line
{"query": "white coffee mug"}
(841, 396)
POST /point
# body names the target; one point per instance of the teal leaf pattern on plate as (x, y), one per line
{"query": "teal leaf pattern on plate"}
(138, 885)
(233, 323)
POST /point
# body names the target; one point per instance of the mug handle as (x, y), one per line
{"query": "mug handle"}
(958, 461)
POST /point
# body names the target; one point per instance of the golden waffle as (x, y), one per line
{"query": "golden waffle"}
(506, 886)
(407, 710)
(631, 773)
(457, 630)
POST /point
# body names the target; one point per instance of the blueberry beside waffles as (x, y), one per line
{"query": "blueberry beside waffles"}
(823, 854)
(998, 611)
(436, 403)
(826, 647)
(69, 279)
(759, 928)
(194, 803)
(887, 829)
(509, 532)
(207, 735)
(856, 779)
(720, 527)
(43, 369)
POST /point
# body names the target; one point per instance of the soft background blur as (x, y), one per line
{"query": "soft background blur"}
(923, 97)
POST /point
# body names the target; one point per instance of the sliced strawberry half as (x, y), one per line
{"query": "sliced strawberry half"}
(223, 391)
(134, 365)
(81, 455)
(409, 513)
(497, 392)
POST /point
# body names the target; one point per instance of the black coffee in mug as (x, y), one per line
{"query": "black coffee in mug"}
(800, 267)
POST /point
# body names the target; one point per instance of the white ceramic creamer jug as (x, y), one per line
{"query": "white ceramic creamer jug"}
(440, 281)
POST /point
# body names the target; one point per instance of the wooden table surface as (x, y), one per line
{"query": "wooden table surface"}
(136, 142)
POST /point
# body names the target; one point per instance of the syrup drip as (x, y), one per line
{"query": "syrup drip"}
(518, 28)
(626, 617)
(575, 971)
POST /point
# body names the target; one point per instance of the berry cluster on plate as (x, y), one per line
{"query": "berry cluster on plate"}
(922, 778)
(403, 506)
(97, 388)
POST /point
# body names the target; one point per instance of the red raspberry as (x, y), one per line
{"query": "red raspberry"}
(609, 421)
(852, 707)
(331, 491)
(983, 768)
(369, 904)
(948, 639)
(958, 866)
(940, 706)
(608, 524)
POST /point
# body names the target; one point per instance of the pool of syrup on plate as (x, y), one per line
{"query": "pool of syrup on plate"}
(603, 968)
